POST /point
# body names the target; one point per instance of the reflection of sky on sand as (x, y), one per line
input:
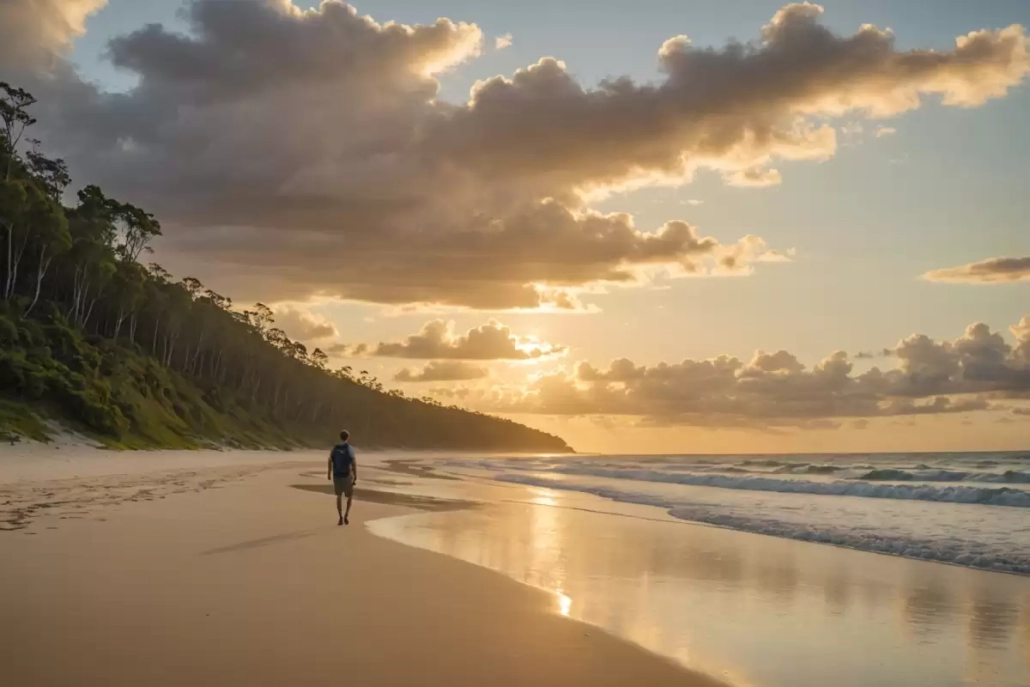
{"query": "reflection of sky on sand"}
(753, 610)
(1025, 631)
(992, 637)
(564, 603)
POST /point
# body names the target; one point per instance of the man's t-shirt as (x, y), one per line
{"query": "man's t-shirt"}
(343, 460)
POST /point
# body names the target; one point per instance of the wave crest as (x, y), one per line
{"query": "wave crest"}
(969, 553)
(988, 496)
(895, 475)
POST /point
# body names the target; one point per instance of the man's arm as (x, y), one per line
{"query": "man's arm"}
(329, 475)
(354, 466)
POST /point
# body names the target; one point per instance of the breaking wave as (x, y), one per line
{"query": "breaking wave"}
(894, 475)
(988, 496)
(956, 551)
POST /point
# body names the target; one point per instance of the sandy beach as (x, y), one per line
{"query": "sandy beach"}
(225, 568)
(236, 574)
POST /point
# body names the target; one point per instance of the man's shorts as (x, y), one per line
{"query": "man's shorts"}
(343, 485)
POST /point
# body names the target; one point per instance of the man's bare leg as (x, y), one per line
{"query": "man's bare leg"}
(339, 507)
(346, 515)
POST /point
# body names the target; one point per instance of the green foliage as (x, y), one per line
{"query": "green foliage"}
(136, 359)
(17, 421)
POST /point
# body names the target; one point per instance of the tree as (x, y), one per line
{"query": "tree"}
(15, 119)
(193, 286)
(136, 227)
(13, 208)
(51, 173)
(92, 255)
(127, 293)
(261, 317)
(51, 237)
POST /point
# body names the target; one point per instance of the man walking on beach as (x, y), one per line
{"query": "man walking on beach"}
(343, 471)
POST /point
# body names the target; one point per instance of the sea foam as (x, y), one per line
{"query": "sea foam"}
(988, 496)
(968, 552)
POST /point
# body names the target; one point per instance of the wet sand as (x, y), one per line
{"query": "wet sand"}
(237, 574)
(752, 610)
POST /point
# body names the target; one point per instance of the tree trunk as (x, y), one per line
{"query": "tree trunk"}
(215, 364)
(75, 294)
(44, 265)
(14, 256)
(153, 343)
(89, 312)
(275, 400)
(169, 349)
(118, 323)
(10, 254)
(80, 289)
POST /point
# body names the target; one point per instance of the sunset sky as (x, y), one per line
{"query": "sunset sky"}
(658, 226)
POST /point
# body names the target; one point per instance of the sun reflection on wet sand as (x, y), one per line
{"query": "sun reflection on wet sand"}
(746, 608)
(544, 497)
(564, 603)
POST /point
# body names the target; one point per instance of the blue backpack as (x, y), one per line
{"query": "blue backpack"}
(343, 458)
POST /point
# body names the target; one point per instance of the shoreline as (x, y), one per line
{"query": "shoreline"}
(719, 497)
(216, 587)
(726, 602)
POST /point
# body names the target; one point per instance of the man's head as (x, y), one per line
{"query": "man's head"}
(344, 435)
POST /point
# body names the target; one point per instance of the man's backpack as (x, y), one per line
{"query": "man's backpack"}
(343, 457)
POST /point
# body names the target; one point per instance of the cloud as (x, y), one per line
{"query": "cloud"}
(303, 325)
(990, 271)
(438, 341)
(774, 389)
(40, 32)
(882, 131)
(330, 166)
(694, 202)
(853, 129)
(454, 394)
(1022, 333)
(755, 177)
(873, 355)
(502, 42)
(443, 371)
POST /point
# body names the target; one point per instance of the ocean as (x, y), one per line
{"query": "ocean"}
(969, 509)
(762, 571)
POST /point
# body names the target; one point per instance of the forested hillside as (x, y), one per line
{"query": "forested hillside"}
(95, 338)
